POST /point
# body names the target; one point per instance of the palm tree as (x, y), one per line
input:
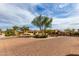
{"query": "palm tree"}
(42, 22)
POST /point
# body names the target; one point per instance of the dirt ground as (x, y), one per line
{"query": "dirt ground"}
(52, 46)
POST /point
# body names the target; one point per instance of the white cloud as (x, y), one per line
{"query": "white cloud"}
(15, 15)
(66, 23)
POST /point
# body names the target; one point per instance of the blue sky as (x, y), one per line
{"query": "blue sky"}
(65, 15)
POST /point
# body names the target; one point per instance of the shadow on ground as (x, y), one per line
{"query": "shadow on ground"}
(72, 55)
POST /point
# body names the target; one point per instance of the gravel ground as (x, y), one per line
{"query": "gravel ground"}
(52, 46)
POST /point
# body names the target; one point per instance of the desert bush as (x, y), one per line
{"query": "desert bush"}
(9, 32)
(40, 36)
(76, 34)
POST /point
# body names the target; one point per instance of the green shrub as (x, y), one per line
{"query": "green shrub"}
(9, 32)
(76, 34)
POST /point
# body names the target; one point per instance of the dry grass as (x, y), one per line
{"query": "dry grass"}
(61, 45)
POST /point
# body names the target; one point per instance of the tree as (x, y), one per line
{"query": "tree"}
(0, 31)
(42, 22)
(68, 31)
(15, 29)
(24, 29)
(9, 32)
